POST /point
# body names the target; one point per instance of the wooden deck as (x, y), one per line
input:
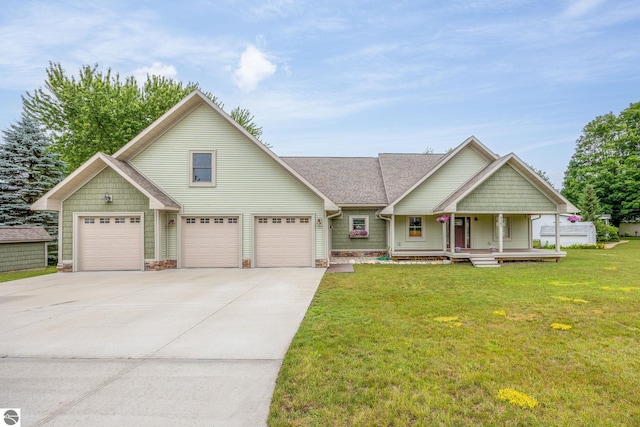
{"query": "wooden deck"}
(465, 255)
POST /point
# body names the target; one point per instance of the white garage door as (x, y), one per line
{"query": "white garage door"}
(210, 242)
(283, 242)
(110, 243)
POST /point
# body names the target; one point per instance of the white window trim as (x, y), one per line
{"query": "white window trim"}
(424, 229)
(366, 225)
(507, 235)
(193, 183)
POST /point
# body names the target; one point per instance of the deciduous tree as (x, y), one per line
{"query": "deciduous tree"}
(607, 156)
(100, 111)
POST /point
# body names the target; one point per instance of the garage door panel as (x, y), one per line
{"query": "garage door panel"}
(283, 242)
(110, 243)
(210, 242)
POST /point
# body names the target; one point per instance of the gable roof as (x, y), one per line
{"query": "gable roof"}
(401, 171)
(23, 233)
(471, 142)
(345, 180)
(194, 100)
(158, 199)
(449, 204)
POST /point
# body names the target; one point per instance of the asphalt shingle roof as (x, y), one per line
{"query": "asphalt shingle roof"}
(344, 180)
(364, 180)
(402, 171)
(145, 183)
(23, 233)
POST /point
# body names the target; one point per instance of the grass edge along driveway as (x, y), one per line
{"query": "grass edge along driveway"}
(525, 344)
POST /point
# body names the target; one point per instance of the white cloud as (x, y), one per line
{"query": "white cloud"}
(156, 69)
(580, 8)
(254, 67)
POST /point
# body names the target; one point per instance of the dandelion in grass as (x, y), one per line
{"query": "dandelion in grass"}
(445, 319)
(517, 398)
(455, 325)
(500, 313)
(613, 268)
(571, 299)
(561, 326)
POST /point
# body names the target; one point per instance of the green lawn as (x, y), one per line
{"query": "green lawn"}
(434, 345)
(16, 275)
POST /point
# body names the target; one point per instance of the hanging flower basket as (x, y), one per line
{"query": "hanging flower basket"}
(442, 219)
(574, 218)
(358, 234)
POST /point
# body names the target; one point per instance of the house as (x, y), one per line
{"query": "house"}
(629, 227)
(571, 233)
(23, 248)
(195, 189)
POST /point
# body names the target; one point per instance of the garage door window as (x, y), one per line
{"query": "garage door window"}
(105, 220)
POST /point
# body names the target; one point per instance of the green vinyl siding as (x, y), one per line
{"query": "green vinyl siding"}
(506, 191)
(377, 238)
(248, 181)
(442, 183)
(22, 256)
(433, 236)
(168, 236)
(126, 198)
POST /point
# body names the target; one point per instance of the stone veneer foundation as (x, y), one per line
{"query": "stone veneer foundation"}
(160, 265)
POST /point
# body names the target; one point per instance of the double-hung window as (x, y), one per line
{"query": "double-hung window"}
(358, 226)
(203, 168)
(415, 228)
(506, 227)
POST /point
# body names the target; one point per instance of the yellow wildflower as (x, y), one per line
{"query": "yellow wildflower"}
(446, 319)
(571, 299)
(561, 326)
(516, 398)
(500, 313)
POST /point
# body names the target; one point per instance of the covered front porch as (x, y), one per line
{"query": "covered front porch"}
(467, 237)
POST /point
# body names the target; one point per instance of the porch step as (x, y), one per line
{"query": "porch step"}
(484, 261)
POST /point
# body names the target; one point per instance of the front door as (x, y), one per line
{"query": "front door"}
(463, 232)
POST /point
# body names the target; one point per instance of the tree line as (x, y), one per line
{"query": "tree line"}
(71, 118)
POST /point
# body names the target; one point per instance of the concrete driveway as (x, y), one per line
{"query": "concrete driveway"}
(176, 347)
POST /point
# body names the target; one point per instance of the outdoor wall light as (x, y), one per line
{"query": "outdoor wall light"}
(107, 198)
(319, 221)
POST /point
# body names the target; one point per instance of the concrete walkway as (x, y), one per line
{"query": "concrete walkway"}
(177, 347)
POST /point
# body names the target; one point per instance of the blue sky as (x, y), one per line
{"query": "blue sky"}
(356, 78)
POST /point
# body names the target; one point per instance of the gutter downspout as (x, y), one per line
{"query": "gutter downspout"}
(531, 219)
(327, 230)
(389, 232)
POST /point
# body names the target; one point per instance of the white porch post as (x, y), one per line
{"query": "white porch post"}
(500, 232)
(392, 235)
(444, 236)
(452, 232)
(557, 232)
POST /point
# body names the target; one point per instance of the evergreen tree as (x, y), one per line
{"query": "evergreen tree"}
(589, 204)
(27, 170)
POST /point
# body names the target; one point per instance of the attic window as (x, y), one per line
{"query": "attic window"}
(202, 166)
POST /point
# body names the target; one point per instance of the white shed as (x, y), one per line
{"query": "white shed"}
(579, 233)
